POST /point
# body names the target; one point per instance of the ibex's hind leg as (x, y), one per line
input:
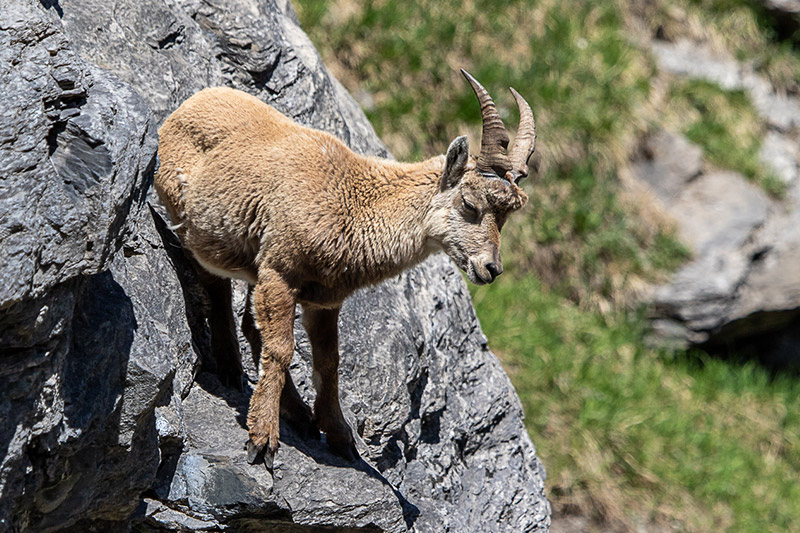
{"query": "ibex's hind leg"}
(322, 329)
(293, 408)
(224, 341)
(273, 303)
(250, 329)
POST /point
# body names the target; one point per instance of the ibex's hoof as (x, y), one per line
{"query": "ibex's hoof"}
(258, 454)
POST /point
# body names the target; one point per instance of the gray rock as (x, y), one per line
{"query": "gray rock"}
(717, 216)
(169, 50)
(784, 6)
(693, 60)
(108, 421)
(719, 211)
(71, 161)
(769, 301)
(781, 111)
(667, 163)
(779, 153)
(76, 147)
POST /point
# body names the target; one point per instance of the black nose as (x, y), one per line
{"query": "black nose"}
(494, 269)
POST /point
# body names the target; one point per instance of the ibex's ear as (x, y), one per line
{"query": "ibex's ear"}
(455, 161)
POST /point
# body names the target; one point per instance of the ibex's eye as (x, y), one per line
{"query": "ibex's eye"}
(469, 208)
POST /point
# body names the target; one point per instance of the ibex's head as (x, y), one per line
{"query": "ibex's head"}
(476, 194)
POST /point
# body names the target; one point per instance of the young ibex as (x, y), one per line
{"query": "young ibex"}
(303, 219)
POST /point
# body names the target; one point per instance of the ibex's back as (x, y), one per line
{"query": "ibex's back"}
(247, 186)
(305, 220)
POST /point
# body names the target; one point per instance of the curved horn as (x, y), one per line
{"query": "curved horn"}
(525, 141)
(494, 138)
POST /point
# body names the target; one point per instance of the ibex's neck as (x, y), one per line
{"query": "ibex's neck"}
(392, 219)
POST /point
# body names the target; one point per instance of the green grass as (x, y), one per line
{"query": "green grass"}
(581, 238)
(726, 126)
(629, 433)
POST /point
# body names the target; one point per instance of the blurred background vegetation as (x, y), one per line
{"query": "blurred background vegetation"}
(632, 436)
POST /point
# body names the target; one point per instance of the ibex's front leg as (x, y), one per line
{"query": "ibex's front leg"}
(273, 303)
(293, 408)
(322, 329)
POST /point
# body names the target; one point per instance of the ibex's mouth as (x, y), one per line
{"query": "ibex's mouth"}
(480, 281)
(475, 277)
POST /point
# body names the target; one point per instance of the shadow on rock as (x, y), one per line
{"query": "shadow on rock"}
(237, 400)
(194, 297)
(777, 350)
(316, 450)
(99, 424)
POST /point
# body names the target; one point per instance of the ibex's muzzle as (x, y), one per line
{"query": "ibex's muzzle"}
(486, 266)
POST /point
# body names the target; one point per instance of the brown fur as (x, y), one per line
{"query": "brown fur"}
(305, 220)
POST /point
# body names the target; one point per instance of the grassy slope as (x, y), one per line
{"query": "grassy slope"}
(628, 434)
(633, 434)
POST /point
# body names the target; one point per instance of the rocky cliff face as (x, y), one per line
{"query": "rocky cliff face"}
(107, 420)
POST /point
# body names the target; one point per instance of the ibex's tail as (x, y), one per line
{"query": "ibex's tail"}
(180, 215)
(171, 183)
(178, 154)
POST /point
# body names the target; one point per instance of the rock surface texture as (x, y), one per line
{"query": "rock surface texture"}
(107, 421)
(742, 285)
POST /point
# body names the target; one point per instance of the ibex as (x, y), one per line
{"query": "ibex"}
(303, 219)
